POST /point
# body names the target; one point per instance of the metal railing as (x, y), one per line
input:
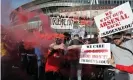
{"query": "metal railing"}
(50, 4)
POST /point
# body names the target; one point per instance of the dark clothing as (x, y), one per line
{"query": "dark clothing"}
(125, 39)
(75, 42)
(28, 61)
(21, 48)
(24, 61)
(25, 58)
(10, 73)
(53, 76)
(73, 56)
(94, 40)
(30, 51)
(31, 62)
(32, 65)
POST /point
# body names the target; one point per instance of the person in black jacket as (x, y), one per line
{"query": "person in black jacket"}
(75, 67)
(76, 40)
(23, 55)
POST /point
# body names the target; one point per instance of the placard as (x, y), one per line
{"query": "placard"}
(97, 54)
(115, 20)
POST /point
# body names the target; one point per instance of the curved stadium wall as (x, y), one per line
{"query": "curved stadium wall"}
(55, 7)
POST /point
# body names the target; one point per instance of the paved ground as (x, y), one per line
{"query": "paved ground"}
(9, 71)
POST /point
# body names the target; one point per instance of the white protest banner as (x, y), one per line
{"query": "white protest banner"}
(97, 54)
(80, 31)
(61, 23)
(115, 20)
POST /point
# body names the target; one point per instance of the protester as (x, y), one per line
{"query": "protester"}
(121, 55)
(127, 37)
(75, 40)
(67, 38)
(87, 41)
(54, 59)
(23, 56)
(39, 60)
(76, 68)
(31, 60)
(95, 39)
(87, 69)
(9, 70)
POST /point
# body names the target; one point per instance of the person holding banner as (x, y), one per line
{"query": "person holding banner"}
(122, 54)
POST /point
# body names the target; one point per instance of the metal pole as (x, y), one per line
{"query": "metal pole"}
(90, 16)
(95, 2)
(79, 66)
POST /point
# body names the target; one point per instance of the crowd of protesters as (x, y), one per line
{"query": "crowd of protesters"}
(61, 62)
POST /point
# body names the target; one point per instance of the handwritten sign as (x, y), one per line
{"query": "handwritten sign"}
(95, 54)
(115, 20)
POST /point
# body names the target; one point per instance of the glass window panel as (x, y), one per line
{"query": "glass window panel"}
(130, 2)
(120, 2)
(115, 2)
(124, 1)
(108, 1)
(112, 1)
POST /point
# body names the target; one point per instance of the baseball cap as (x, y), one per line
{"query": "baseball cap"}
(117, 35)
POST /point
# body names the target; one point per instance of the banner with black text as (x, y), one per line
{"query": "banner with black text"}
(97, 54)
(115, 20)
(61, 23)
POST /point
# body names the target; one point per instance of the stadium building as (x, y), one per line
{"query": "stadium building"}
(84, 10)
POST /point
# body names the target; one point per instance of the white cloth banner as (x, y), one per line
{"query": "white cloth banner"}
(115, 20)
(80, 31)
(61, 23)
(95, 54)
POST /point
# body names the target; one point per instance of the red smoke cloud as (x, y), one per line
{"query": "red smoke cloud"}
(31, 38)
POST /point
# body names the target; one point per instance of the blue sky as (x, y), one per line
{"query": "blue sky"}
(17, 3)
(7, 6)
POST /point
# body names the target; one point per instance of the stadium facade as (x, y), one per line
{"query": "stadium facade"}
(69, 8)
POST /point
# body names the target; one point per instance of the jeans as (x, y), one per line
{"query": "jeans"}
(76, 70)
(32, 66)
(24, 61)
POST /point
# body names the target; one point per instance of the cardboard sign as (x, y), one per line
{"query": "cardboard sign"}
(61, 23)
(95, 54)
(116, 20)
